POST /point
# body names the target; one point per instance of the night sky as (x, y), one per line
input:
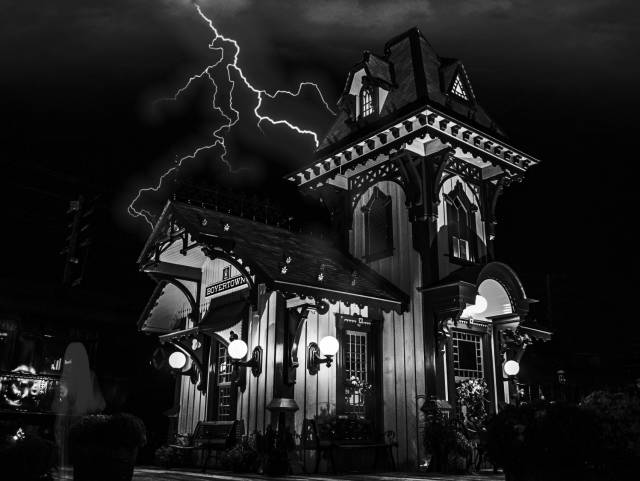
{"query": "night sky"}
(80, 79)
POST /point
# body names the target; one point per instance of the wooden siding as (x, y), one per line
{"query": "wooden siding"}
(402, 360)
(258, 392)
(193, 404)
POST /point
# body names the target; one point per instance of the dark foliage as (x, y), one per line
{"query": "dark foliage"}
(274, 448)
(551, 441)
(617, 418)
(243, 457)
(118, 430)
(447, 443)
(105, 447)
(27, 458)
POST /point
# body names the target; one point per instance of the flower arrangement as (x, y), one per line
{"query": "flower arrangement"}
(472, 398)
(355, 385)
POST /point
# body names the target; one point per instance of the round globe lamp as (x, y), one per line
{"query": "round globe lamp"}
(177, 360)
(237, 349)
(511, 368)
(328, 346)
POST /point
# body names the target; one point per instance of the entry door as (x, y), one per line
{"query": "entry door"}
(223, 405)
(358, 390)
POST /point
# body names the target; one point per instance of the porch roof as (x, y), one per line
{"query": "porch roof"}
(264, 249)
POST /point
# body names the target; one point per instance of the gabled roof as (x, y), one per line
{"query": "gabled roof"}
(263, 248)
(419, 77)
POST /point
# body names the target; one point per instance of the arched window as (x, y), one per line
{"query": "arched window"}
(378, 226)
(366, 101)
(461, 224)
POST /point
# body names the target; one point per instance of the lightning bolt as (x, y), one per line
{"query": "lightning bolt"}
(231, 119)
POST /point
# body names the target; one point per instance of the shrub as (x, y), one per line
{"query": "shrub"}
(242, 458)
(546, 441)
(168, 457)
(446, 441)
(26, 457)
(617, 416)
(118, 430)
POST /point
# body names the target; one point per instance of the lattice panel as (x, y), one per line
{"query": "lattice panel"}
(466, 343)
(359, 183)
(464, 169)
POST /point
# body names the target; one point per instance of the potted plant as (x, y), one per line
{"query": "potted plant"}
(446, 442)
(104, 447)
(274, 449)
(241, 458)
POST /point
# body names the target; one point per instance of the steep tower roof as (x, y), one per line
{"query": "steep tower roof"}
(411, 75)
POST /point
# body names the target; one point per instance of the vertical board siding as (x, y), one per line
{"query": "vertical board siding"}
(193, 403)
(258, 392)
(402, 357)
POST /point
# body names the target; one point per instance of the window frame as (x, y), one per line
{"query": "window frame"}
(372, 328)
(387, 249)
(457, 201)
(367, 89)
(213, 413)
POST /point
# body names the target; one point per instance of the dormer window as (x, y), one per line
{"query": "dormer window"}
(461, 225)
(366, 101)
(458, 88)
(378, 226)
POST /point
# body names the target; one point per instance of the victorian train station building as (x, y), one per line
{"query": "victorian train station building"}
(272, 326)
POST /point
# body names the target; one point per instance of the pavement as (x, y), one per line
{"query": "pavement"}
(157, 474)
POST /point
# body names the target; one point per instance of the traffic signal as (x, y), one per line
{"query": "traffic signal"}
(78, 240)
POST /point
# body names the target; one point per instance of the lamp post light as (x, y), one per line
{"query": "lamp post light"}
(328, 348)
(237, 350)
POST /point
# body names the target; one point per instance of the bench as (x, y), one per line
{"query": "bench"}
(346, 434)
(210, 436)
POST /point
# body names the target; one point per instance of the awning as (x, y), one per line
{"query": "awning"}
(225, 311)
(535, 330)
(166, 309)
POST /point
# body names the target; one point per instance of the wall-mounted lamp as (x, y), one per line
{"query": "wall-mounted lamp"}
(511, 368)
(177, 360)
(477, 308)
(328, 347)
(238, 349)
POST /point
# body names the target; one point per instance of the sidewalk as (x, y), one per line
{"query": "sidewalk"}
(154, 474)
(158, 474)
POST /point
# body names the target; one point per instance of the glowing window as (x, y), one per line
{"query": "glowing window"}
(224, 386)
(460, 222)
(366, 102)
(226, 273)
(458, 89)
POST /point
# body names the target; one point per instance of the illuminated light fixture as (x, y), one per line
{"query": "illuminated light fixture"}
(328, 348)
(511, 368)
(478, 307)
(177, 360)
(238, 350)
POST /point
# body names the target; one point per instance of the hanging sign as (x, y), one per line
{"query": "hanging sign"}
(225, 285)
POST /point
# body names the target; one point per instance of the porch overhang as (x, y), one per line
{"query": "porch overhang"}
(163, 313)
(424, 122)
(290, 262)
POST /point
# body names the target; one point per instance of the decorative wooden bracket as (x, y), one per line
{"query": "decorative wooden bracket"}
(198, 365)
(295, 323)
